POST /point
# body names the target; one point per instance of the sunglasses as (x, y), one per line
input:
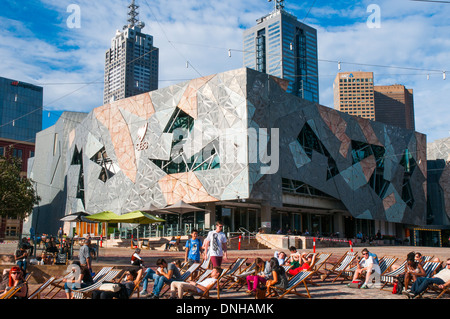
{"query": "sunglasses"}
(15, 273)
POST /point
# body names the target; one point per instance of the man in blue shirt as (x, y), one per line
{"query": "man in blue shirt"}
(193, 248)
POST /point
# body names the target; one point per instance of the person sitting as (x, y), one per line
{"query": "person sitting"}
(370, 265)
(294, 259)
(81, 278)
(13, 278)
(307, 261)
(258, 278)
(281, 257)
(442, 279)
(166, 273)
(279, 278)
(136, 259)
(131, 279)
(413, 270)
(171, 243)
(178, 288)
(20, 258)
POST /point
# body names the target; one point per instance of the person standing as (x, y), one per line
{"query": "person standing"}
(193, 248)
(84, 255)
(216, 245)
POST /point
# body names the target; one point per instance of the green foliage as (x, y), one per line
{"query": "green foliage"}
(17, 195)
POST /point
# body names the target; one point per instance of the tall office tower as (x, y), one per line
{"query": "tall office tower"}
(20, 110)
(282, 46)
(394, 105)
(354, 94)
(131, 64)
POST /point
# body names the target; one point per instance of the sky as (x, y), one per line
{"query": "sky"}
(60, 45)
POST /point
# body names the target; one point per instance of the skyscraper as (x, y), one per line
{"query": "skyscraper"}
(20, 110)
(131, 64)
(353, 94)
(394, 105)
(282, 46)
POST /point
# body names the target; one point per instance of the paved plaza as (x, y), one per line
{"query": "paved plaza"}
(120, 258)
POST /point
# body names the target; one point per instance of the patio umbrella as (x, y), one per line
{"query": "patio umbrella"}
(181, 208)
(137, 217)
(104, 217)
(155, 210)
(74, 217)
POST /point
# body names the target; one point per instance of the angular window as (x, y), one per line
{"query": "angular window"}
(310, 142)
(102, 159)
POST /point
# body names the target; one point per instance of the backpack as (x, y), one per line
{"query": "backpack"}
(399, 283)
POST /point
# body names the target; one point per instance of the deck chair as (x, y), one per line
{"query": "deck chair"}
(134, 243)
(240, 278)
(84, 293)
(227, 275)
(15, 289)
(184, 277)
(206, 294)
(37, 293)
(340, 268)
(316, 268)
(328, 272)
(293, 283)
(388, 277)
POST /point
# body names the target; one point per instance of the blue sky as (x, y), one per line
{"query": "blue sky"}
(38, 46)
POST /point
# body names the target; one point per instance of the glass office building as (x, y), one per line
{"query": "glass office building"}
(20, 110)
(282, 46)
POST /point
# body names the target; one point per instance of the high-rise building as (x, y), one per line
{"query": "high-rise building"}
(394, 105)
(354, 94)
(282, 46)
(20, 110)
(131, 64)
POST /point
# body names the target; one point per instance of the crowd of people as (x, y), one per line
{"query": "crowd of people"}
(274, 272)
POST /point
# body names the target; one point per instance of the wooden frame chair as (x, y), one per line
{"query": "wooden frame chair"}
(228, 274)
(84, 293)
(293, 283)
(389, 277)
(11, 292)
(37, 293)
(339, 269)
(145, 243)
(184, 277)
(240, 279)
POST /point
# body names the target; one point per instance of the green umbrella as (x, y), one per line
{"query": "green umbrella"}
(137, 217)
(105, 217)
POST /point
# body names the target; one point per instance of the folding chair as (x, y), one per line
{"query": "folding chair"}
(389, 277)
(206, 294)
(339, 269)
(321, 260)
(83, 293)
(227, 274)
(37, 293)
(145, 243)
(240, 279)
(327, 272)
(293, 283)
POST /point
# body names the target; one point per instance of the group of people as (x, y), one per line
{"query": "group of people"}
(271, 273)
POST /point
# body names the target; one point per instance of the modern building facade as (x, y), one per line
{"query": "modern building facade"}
(20, 110)
(354, 94)
(282, 46)
(249, 153)
(394, 105)
(131, 64)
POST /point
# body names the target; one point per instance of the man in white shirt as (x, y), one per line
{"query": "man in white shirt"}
(442, 279)
(216, 245)
(369, 264)
(180, 287)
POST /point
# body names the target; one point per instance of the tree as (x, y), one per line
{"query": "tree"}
(17, 194)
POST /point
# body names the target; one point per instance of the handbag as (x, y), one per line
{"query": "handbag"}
(109, 286)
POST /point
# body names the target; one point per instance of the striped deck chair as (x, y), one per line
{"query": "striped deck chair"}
(389, 277)
(37, 293)
(293, 283)
(184, 277)
(84, 293)
(430, 268)
(342, 266)
(227, 274)
(328, 272)
(205, 294)
(240, 279)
